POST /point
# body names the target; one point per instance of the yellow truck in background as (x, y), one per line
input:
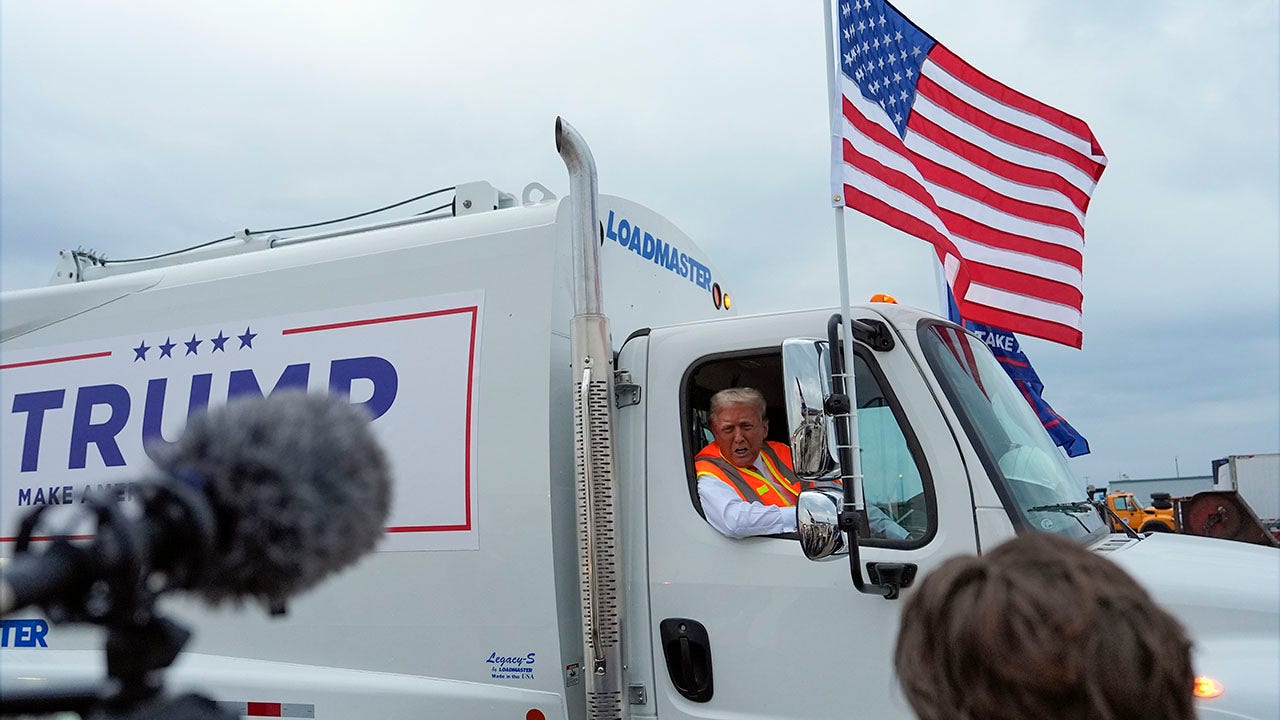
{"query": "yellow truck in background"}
(1126, 511)
(1210, 513)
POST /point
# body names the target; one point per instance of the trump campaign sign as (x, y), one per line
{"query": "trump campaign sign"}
(83, 418)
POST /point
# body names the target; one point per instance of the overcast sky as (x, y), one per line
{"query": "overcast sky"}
(141, 127)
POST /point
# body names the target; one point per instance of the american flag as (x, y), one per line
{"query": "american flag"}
(998, 182)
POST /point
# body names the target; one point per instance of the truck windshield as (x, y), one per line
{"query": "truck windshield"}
(1030, 473)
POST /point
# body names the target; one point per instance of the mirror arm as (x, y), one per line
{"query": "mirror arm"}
(853, 521)
(872, 333)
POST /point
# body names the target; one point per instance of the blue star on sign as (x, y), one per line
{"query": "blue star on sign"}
(218, 342)
(166, 350)
(140, 352)
(192, 345)
(246, 340)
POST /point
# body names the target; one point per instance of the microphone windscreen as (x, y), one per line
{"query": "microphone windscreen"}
(298, 486)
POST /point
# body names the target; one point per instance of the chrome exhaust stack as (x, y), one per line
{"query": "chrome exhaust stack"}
(599, 582)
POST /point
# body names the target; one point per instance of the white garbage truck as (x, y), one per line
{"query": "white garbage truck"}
(539, 371)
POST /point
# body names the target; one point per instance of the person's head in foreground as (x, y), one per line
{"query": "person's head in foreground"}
(1040, 629)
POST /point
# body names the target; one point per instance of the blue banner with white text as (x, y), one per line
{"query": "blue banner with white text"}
(1004, 345)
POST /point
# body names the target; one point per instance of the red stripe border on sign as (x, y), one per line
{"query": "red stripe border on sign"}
(390, 318)
(474, 311)
(50, 361)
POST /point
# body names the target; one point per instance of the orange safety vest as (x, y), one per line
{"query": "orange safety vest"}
(780, 488)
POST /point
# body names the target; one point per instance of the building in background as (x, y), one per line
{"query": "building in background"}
(1175, 486)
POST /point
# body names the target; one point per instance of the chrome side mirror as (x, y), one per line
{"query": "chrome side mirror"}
(806, 366)
(818, 523)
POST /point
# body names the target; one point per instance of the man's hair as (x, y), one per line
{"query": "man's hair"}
(1041, 628)
(738, 396)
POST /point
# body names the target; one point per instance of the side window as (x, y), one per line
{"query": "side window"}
(761, 369)
(891, 478)
(895, 483)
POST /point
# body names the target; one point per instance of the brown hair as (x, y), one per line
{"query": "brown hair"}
(1040, 628)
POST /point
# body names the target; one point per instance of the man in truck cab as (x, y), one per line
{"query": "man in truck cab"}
(746, 483)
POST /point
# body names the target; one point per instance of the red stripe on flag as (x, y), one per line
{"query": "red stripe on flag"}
(874, 131)
(975, 231)
(906, 222)
(877, 207)
(1034, 177)
(892, 216)
(1025, 324)
(1030, 285)
(1006, 131)
(894, 178)
(976, 79)
(946, 177)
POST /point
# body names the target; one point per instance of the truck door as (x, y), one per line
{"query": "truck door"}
(749, 627)
(1125, 508)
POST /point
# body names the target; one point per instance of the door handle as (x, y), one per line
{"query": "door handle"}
(687, 649)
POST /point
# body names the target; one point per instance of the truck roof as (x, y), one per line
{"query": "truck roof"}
(653, 273)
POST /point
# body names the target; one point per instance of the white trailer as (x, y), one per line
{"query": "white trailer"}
(524, 578)
(1256, 478)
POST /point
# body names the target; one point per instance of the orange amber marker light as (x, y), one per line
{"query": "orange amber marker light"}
(1207, 687)
(727, 302)
(884, 298)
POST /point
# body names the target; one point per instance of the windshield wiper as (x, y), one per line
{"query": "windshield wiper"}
(1068, 508)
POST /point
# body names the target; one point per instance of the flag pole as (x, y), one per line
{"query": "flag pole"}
(940, 277)
(838, 203)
